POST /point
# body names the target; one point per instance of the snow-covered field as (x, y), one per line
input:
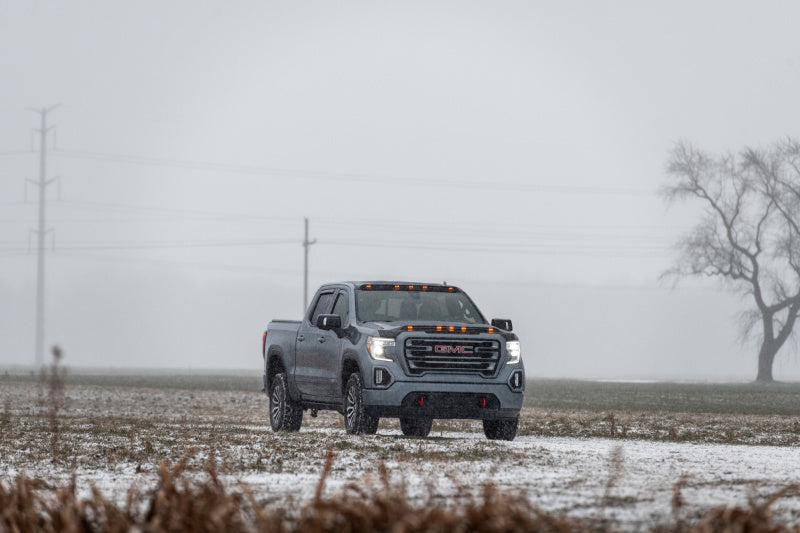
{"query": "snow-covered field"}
(113, 437)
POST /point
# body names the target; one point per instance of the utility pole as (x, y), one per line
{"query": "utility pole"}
(306, 244)
(41, 232)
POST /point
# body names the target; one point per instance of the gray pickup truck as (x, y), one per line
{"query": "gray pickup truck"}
(411, 351)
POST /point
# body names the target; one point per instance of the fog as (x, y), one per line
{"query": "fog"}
(514, 149)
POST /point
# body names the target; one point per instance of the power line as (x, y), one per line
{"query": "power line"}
(172, 211)
(239, 269)
(453, 246)
(499, 229)
(354, 177)
(522, 249)
(87, 246)
(497, 226)
(495, 235)
(496, 232)
(125, 260)
(588, 286)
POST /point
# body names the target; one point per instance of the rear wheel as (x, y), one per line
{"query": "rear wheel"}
(503, 429)
(356, 419)
(416, 427)
(284, 413)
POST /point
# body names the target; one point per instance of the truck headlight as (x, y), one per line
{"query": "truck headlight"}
(514, 352)
(378, 348)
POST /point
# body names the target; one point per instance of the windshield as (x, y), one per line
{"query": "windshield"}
(394, 306)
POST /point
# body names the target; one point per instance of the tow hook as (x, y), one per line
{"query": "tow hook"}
(313, 413)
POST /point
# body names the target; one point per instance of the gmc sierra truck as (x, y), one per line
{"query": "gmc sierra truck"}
(411, 351)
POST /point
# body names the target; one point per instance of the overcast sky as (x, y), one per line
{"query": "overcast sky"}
(512, 148)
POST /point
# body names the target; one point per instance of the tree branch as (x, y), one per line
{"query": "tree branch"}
(749, 233)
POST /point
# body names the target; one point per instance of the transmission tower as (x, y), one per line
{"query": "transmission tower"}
(306, 244)
(41, 232)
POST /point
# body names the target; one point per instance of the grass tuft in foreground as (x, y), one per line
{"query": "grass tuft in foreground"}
(183, 501)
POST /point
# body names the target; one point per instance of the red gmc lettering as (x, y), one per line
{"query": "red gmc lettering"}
(442, 348)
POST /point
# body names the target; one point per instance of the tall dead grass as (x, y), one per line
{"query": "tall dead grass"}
(5, 416)
(53, 398)
(757, 517)
(186, 502)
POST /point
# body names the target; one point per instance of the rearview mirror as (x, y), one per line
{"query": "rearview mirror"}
(502, 323)
(329, 322)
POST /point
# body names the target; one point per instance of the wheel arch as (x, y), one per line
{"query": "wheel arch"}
(349, 366)
(274, 365)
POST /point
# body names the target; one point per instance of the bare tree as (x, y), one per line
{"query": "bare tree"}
(748, 235)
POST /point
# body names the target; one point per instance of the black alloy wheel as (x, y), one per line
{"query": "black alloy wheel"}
(356, 419)
(284, 413)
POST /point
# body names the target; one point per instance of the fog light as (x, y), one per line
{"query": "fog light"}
(382, 377)
(516, 382)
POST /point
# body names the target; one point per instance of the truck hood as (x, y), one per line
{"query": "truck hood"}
(420, 323)
(393, 329)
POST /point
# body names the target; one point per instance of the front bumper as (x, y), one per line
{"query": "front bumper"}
(432, 399)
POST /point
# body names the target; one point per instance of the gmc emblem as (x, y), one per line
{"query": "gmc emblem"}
(446, 348)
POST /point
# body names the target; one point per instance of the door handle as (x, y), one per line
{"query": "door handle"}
(300, 338)
(321, 340)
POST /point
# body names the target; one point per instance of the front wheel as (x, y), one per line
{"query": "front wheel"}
(416, 427)
(356, 418)
(284, 413)
(504, 429)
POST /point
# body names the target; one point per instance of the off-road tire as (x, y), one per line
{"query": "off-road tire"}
(416, 427)
(356, 419)
(503, 429)
(284, 413)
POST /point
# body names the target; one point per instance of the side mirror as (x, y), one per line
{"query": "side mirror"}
(502, 323)
(329, 322)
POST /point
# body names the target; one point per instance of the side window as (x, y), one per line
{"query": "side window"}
(323, 303)
(340, 307)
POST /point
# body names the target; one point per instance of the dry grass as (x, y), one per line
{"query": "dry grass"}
(101, 427)
(664, 397)
(186, 502)
(134, 435)
(53, 398)
(722, 428)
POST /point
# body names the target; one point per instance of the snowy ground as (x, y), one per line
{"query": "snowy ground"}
(581, 476)
(115, 436)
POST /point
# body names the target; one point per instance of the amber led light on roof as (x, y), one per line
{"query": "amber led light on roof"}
(439, 328)
(411, 288)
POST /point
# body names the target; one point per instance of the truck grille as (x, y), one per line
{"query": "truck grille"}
(452, 356)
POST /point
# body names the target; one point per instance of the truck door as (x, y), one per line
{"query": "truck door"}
(310, 376)
(330, 354)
